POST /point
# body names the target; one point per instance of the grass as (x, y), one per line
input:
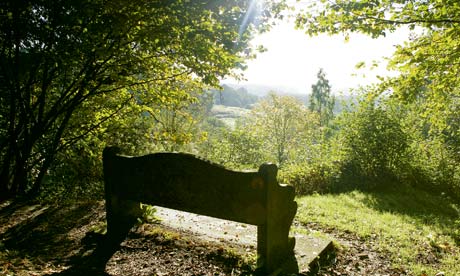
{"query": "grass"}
(420, 232)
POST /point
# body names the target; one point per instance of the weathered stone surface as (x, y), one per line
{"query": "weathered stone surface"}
(184, 182)
(311, 251)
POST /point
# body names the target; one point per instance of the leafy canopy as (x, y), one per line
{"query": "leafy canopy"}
(428, 63)
(60, 57)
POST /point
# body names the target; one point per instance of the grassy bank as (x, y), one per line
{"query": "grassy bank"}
(420, 232)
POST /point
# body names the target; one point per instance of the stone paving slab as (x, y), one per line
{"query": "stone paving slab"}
(311, 250)
(308, 249)
(212, 229)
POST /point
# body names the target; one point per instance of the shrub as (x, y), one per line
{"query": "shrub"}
(309, 178)
(374, 146)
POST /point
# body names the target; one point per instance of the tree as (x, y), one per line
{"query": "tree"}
(284, 125)
(230, 96)
(57, 56)
(321, 100)
(428, 63)
(377, 18)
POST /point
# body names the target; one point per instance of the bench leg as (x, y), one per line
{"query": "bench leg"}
(275, 249)
(121, 217)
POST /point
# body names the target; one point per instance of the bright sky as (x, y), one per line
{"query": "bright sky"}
(293, 59)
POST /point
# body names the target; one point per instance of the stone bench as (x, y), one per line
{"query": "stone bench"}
(186, 183)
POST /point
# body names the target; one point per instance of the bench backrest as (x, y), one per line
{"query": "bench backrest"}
(184, 182)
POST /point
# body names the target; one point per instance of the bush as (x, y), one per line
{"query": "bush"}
(434, 168)
(374, 147)
(310, 178)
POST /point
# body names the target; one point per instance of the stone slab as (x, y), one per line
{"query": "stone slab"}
(308, 249)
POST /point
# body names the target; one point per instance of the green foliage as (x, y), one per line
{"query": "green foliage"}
(174, 122)
(75, 175)
(137, 129)
(148, 214)
(60, 58)
(427, 85)
(377, 18)
(236, 149)
(377, 142)
(285, 127)
(310, 178)
(278, 129)
(374, 145)
(428, 74)
(434, 166)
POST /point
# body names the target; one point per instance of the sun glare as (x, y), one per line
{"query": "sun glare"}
(293, 58)
(252, 12)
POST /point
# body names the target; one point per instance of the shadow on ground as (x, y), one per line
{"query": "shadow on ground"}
(50, 239)
(60, 240)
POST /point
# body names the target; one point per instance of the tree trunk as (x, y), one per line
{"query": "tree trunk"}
(6, 173)
(5, 179)
(51, 153)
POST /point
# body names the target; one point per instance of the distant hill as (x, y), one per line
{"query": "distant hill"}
(263, 90)
(246, 95)
(236, 97)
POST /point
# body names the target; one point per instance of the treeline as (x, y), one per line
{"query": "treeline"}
(230, 96)
(377, 143)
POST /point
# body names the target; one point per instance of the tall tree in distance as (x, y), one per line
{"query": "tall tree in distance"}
(321, 101)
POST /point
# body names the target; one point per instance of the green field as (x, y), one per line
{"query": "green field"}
(228, 114)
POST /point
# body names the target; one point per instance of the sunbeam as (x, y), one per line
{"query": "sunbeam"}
(252, 13)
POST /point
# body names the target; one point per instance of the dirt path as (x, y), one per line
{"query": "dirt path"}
(40, 240)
